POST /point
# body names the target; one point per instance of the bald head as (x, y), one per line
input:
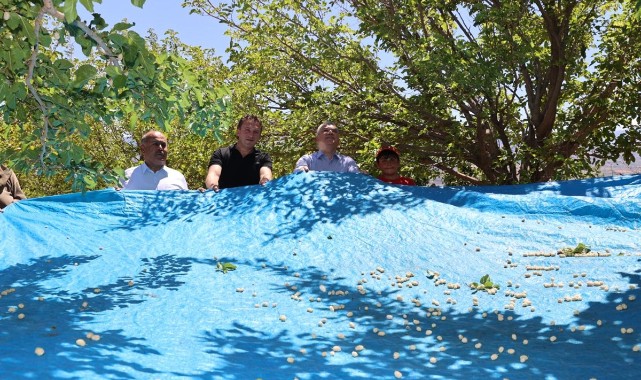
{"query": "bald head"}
(154, 150)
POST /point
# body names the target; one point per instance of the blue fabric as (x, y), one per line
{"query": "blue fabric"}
(326, 251)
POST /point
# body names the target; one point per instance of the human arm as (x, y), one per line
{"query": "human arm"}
(265, 171)
(213, 175)
(15, 187)
(303, 164)
(352, 166)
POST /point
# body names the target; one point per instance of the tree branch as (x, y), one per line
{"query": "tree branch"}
(51, 10)
(32, 89)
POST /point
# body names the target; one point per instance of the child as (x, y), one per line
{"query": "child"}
(388, 161)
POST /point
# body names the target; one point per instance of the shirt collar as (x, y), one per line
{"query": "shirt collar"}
(146, 169)
(321, 156)
(254, 150)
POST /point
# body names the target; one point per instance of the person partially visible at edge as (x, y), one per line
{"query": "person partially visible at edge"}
(388, 161)
(326, 158)
(240, 164)
(153, 174)
(10, 190)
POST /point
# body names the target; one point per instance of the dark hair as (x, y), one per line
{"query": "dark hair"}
(246, 118)
(386, 153)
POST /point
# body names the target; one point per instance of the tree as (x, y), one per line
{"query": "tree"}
(54, 103)
(479, 91)
(117, 144)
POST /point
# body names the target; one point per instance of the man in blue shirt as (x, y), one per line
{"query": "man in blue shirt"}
(326, 158)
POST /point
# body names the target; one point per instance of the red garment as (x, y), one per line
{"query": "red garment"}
(399, 181)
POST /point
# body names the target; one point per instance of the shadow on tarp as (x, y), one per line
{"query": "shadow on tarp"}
(306, 199)
(596, 352)
(249, 352)
(600, 200)
(601, 187)
(303, 200)
(54, 322)
(246, 352)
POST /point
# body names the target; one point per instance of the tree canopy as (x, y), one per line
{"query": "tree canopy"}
(478, 91)
(52, 103)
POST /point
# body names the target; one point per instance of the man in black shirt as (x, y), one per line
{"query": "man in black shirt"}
(240, 164)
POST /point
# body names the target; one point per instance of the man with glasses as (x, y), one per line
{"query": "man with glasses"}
(326, 158)
(153, 174)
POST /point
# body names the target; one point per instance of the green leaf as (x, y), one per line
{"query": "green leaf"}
(581, 248)
(88, 4)
(89, 181)
(3, 88)
(117, 39)
(121, 26)
(120, 172)
(113, 71)
(225, 267)
(98, 22)
(133, 119)
(120, 81)
(70, 11)
(138, 3)
(13, 22)
(63, 64)
(83, 75)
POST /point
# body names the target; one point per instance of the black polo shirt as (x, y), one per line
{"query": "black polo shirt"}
(239, 170)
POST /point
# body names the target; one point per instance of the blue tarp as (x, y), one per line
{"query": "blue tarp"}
(338, 276)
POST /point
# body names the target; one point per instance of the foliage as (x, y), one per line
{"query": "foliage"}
(476, 91)
(485, 284)
(56, 106)
(580, 249)
(225, 267)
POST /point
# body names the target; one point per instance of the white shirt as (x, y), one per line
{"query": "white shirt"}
(142, 178)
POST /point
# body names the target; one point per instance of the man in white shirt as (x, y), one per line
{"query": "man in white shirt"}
(153, 174)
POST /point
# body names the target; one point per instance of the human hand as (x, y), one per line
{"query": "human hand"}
(303, 168)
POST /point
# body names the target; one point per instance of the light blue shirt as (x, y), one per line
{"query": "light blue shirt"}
(142, 178)
(318, 161)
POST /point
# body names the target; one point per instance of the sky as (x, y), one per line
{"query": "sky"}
(162, 15)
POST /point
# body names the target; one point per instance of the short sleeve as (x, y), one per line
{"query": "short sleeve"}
(265, 160)
(182, 182)
(303, 161)
(352, 166)
(216, 158)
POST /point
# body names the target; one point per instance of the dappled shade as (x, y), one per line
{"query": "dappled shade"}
(336, 276)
